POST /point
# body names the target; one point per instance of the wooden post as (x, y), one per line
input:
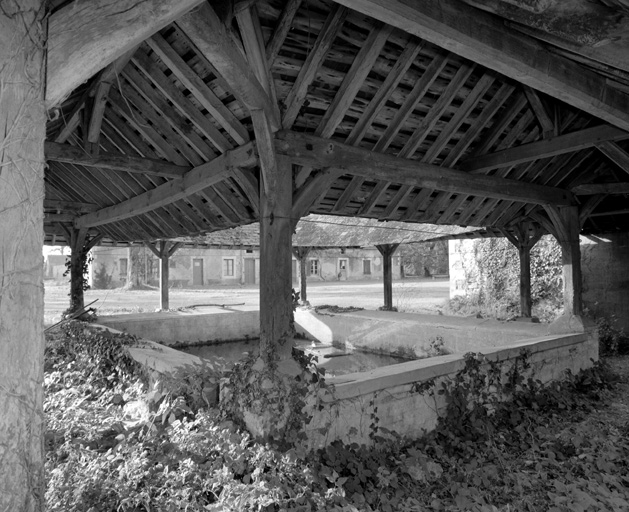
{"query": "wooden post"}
(164, 251)
(567, 226)
(22, 133)
(276, 201)
(524, 241)
(78, 257)
(387, 250)
(301, 253)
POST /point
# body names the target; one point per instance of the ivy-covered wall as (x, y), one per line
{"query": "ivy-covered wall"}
(487, 270)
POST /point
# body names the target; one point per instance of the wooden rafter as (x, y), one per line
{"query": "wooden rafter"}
(281, 30)
(211, 38)
(117, 162)
(482, 38)
(559, 145)
(317, 152)
(546, 123)
(84, 37)
(194, 181)
(615, 153)
(590, 189)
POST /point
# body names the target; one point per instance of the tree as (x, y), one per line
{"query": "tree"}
(22, 132)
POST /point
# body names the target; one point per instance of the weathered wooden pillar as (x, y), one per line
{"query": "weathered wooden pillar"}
(80, 246)
(301, 253)
(387, 250)
(524, 241)
(22, 133)
(164, 251)
(276, 202)
(565, 220)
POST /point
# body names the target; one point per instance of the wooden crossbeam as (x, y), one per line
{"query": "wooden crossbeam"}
(559, 145)
(482, 38)
(212, 39)
(56, 204)
(591, 189)
(615, 153)
(192, 182)
(281, 30)
(84, 37)
(316, 152)
(115, 162)
(309, 69)
(546, 123)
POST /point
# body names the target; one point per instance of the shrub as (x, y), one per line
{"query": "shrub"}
(101, 280)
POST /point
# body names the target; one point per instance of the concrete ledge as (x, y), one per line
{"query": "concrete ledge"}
(406, 333)
(190, 327)
(410, 414)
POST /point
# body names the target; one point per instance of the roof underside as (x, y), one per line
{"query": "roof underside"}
(380, 93)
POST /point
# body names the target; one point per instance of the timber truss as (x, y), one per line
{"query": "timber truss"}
(174, 118)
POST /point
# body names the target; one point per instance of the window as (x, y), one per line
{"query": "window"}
(366, 266)
(314, 267)
(123, 265)
(249, 251)
(228, 267)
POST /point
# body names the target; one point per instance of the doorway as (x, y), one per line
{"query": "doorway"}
(250, 271)
(197, 272)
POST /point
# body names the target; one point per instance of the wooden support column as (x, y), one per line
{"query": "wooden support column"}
(301, 253)
(387, 251)
(276, 201)
(566, 225)
(164, 251)
(80, 246)
(524, 240)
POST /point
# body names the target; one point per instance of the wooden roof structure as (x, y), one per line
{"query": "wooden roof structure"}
(455, 112)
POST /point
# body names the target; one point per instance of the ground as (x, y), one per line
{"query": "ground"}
(411, 295)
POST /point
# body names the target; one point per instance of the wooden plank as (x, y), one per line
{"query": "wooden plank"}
(211, 38)
(194, 181)
(177, 122)
(615, 153)
(354, 79)
(545, 122)
(395, 202)
(116, 162)
(417, 93)
(204, 95)
(282, 28)
(150, 68)
(305, 198)
(392, 80)
(250, 187)
(105, 81)
(482, 38)
(590, 189)
(411, 211)
(430, 120)
(559, 145)
(374, 197)
(493, 134)
(310, 150)
(84, 37)
(57, 204)
(475, 129)
(309, 69)
(460, 115)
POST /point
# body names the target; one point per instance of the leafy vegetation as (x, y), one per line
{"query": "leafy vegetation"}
(492, 280)
(114, 443)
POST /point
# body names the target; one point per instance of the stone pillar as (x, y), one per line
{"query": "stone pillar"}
(387, 250)
(22, 133)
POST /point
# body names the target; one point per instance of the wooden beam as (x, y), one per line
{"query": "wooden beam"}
(559, 145)
(200, 90)
(281, 30)
(57, 204)
(311, 191)
(211, 38)
(115, 162)
(101, 94)
(387, 250)
(591, 189)
(316, 152)
(194, 181)
(545, 122)
(309, 69)
(615, 153)
(482, 38)
(84, 37)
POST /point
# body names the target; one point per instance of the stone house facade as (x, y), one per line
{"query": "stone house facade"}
(189, 267)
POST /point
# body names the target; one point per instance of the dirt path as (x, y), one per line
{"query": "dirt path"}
(409, 295)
